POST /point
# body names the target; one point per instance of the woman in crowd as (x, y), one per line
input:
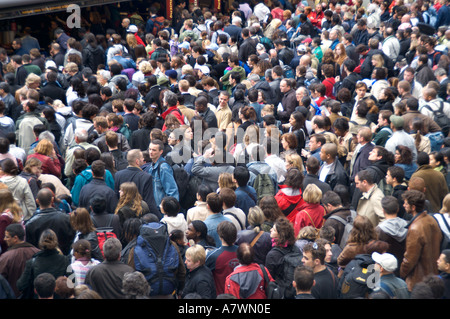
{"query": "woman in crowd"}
(45, 152)
(49, 260)
(130, 203)
(10, 212)
(18, 186)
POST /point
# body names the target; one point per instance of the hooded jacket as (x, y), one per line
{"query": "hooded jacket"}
(286, 197)
(394, 231)
(247, 282)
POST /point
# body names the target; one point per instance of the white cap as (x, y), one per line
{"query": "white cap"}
(386, 260)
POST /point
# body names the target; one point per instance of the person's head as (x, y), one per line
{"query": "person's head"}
(314, 255)
(80, 220)
(316, 141)
(82, 249)
(214, 203)
(386, 263)
(98, 203)
(436, 159)
(364, 181)
(363, 230)
(395, 175)
(44, 285)
(98, 169)
(45, 198)
(312, 194)
(443, 261)
(155, 149)
(111, 249)
(48, 240)
(294, 179)
(227, 232)
(303, 278)
(135, 286)
(331, 201)
(390, 206)
(282, 232)
(195, 257)
(328, 152)
(170, 206)
(14, 234)
(242, 175)
(413, 201)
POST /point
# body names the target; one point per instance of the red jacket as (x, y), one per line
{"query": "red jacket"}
(285, 201)
(247, 282)
(310, 215)
(49, 165)
(316, 18)
(176, 112)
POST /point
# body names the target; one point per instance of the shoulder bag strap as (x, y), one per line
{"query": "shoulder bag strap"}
(256, 238)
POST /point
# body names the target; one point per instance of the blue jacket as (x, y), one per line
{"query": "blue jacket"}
(164, 183)
(84, 178)
(443, 17)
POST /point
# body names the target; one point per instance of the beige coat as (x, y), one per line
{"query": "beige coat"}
(369, 205)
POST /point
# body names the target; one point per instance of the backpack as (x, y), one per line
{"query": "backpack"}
(348, 226)
(291, 260)
(445, 243)
(263, 184)
(157, 258)
(156, 25)
(180, 176)
(103, 233)
(273, 290)
(440, 118)
(126, 131)
(268, 44)
(355, 280)
(288, 72)
(190, 196)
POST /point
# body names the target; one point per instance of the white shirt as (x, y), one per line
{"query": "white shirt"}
(324, 171)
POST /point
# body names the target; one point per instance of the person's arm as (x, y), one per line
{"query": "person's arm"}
(168, 181)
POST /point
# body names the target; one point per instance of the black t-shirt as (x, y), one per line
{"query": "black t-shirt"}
(325, 286)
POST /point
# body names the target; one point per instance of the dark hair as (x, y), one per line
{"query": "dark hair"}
(171, 206)
(214, 202)
(304, 278)
(294, 179)
(242, 175)
(416, 198)
(227, 231)
(245, 254)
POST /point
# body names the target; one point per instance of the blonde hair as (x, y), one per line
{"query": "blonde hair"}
(196, 253)
(295, 160)
(8, 202)
(445, 205)
(44, 147)
(32, 78)
(256, 218)
(130, 197)
(312, 194)
(226, 181)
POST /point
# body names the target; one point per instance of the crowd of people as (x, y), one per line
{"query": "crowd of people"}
(271, 150)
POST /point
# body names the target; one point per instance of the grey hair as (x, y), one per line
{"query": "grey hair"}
(111, 249)
(81, 134)
(135, 286)
(47, 135)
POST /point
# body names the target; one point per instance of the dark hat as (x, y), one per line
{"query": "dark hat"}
(172, 74)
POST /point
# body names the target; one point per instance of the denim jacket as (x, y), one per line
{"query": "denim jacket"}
(164, 183)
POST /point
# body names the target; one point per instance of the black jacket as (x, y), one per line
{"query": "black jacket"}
(200, 281)
(54, 219)
(336, 175)
(54, 90)
(143, 181)
(98, 187)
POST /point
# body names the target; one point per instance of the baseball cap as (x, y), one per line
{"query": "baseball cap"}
(397, 121)
(301, 48)
(386, 260)
(132, 28)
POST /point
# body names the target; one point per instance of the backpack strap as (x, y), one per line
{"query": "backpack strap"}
(235, 217)
(289, 209)
(256, 238)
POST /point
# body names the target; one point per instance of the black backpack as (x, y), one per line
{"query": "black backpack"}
(291, 260)
(181, 178)
(440, 118)
(358, 274)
